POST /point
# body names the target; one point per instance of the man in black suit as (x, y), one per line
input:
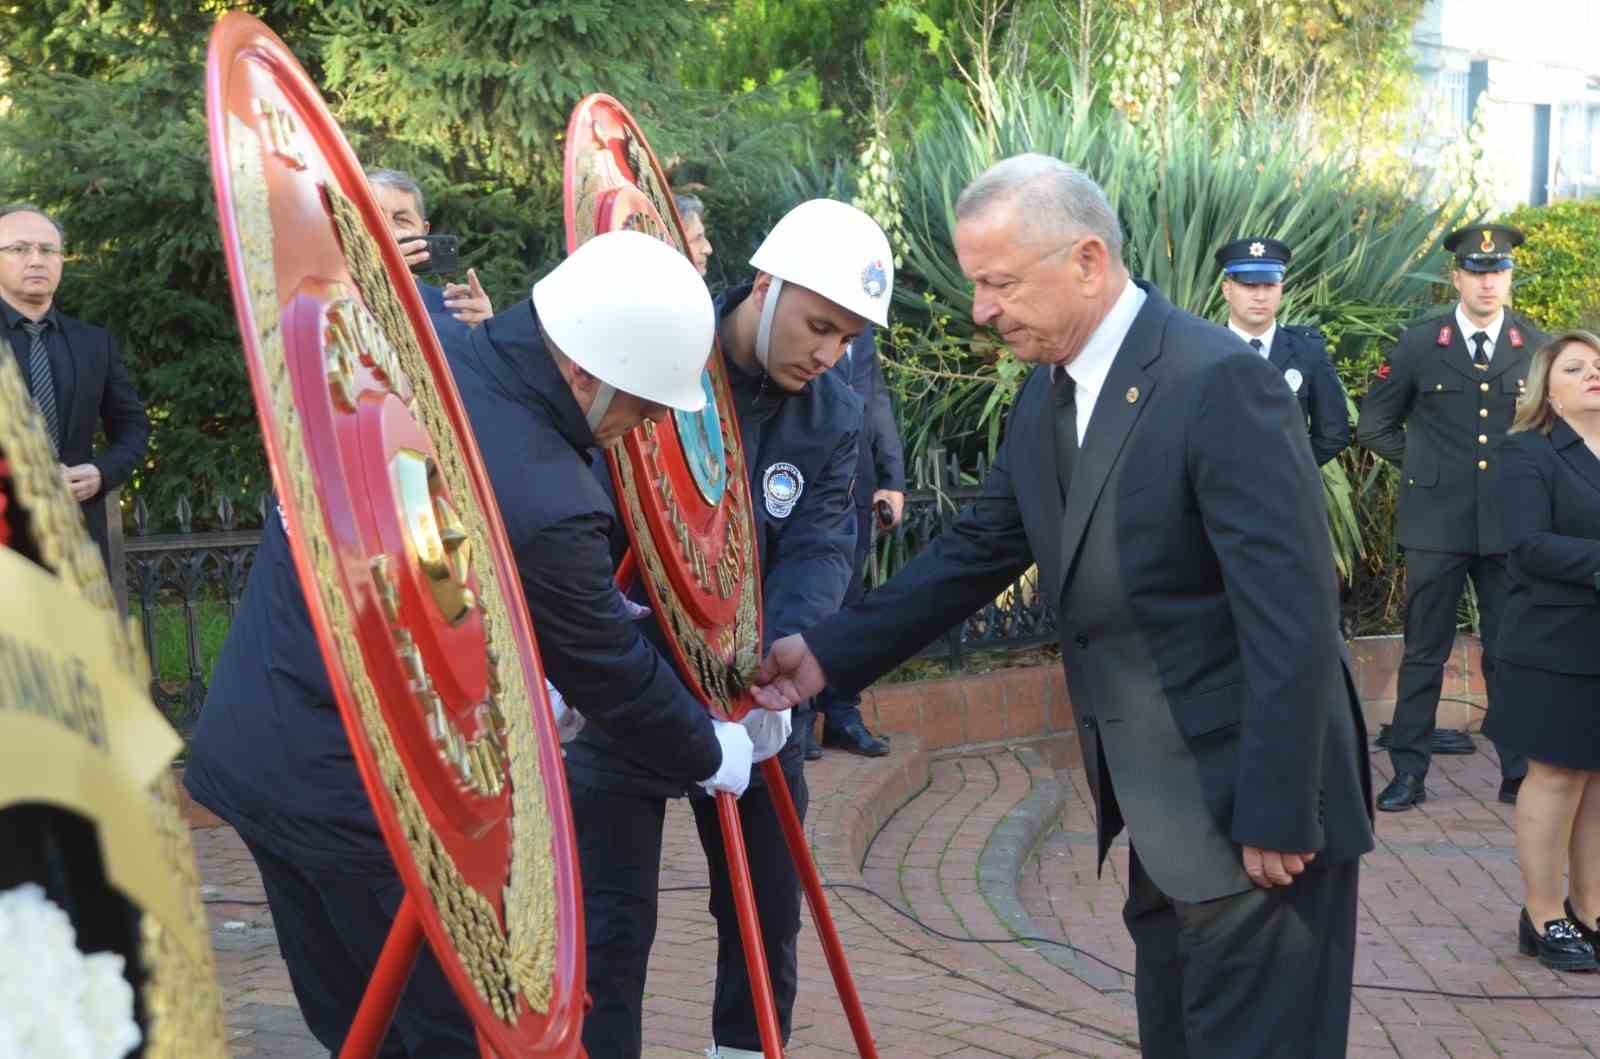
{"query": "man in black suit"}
(880, 494)
(1439, 407)
(1252, 285)
(1195, 587)
(74, 369)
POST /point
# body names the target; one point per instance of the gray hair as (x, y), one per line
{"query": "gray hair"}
(400, 180)
(689, 206)
(28, 207)
(1055, 198)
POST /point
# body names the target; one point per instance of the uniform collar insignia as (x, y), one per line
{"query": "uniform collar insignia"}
(1515, 337)
(1445, 334)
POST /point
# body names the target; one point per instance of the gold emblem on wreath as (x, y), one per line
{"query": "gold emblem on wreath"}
(1487, 246)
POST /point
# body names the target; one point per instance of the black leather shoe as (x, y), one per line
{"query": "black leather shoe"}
(813, 751)
(854, 738)
(1509, 789)
(1561, 947)
(1403, 792)
(1590, 935)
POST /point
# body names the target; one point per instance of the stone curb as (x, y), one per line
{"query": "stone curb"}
(842, 822)
(1007, 852)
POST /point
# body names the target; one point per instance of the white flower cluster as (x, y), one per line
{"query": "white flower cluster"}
(55, 1002)
(878, 193)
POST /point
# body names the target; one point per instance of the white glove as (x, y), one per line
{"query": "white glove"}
(569, 722)
(733, 775)
(769, 731)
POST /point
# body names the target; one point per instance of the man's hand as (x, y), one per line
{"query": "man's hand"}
(1268, 867)
(467, 301)
(789, 675)
(414, 250)
(897, 506)
(83, 480)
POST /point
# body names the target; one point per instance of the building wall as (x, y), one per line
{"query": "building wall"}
(1530, 72)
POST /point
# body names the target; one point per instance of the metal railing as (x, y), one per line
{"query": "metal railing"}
(185, 585)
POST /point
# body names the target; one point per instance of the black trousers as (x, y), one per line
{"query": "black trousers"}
(1434, 583)
(619, 857)
(837, 708)
(331, 928)
(777, 889)
(1264, 974)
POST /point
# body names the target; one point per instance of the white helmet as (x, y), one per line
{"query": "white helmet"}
(633, 312)
(834, 249)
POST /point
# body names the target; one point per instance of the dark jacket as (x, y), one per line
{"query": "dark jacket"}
(807, 556)
(1197, 600)
(881, 460)
(92, 391)
(1550, 499)
(270, 755)
(1315, 382)
(1431, 411)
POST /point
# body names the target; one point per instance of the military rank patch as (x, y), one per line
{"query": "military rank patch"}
(1294, 379)
(781, 486)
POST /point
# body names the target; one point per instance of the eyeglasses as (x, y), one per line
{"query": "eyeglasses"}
(47, 251)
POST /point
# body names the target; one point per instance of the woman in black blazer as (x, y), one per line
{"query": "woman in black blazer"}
(1548, 700)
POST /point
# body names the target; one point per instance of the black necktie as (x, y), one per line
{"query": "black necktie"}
(1480, 356)
(1255, 344)
(1064, 390)
(41, 382)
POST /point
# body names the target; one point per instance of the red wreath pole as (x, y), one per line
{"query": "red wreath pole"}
(811, 881)
(755, 951)
(388, 982)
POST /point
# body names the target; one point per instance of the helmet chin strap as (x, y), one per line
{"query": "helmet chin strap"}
(764, 328)
(602, 404)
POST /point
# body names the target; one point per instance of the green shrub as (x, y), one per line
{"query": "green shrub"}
(1557, 282)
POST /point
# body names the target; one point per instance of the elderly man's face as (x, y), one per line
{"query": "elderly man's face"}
(400, 210)
(1038, 293)
(694, 238)
(30, 259)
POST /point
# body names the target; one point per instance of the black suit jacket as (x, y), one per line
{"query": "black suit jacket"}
(1198, 608)
(1301, 354)
(1431, 411)
(1550, 493)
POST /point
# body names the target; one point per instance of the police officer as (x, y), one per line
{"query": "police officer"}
(1252, 285)
(880, 500)
(1439, 407)
(542, 384)
(824, 274)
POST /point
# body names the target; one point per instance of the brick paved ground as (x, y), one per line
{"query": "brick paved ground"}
(1439, 902)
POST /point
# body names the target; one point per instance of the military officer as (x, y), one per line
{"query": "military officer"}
(824, 275)
(1439, 407)
(543, 383)
(1252, 285)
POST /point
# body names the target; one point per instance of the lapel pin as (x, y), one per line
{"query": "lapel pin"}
(1133, 394)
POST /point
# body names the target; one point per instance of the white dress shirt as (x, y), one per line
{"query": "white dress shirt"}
(1265, 337)
(1468, 329)
(1091, 366)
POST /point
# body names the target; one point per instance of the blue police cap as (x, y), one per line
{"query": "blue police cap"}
(1254, 259)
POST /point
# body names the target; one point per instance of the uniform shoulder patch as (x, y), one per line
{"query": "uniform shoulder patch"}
(781, 486)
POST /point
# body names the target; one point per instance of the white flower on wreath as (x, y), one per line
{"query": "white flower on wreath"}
(56, 1002)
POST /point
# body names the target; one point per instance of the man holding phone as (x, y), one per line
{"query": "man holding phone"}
(400, 197)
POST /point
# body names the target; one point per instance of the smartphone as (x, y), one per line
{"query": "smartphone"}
(444, 254)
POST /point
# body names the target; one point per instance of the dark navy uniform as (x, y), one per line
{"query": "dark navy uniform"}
(271, 757)
(1441, 413)
(1301, 354)
(805, 441)
(881, 464)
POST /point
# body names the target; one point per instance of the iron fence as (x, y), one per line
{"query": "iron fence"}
(184, 585)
